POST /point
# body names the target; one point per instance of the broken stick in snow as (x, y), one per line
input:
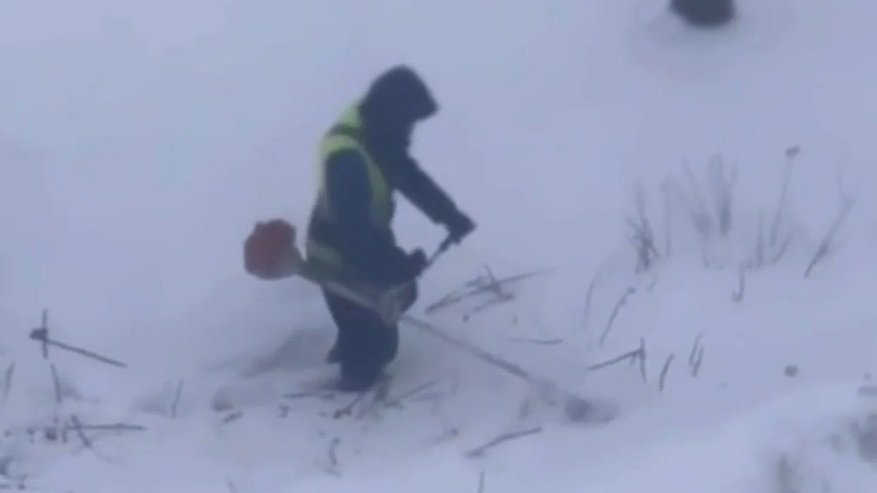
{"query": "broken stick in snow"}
(42, 335)
(479, 286)
(588, 299)
(825, 246)
(631, 355)
(478, 452)
(642, 238)
(77, 426)
(693, 354)
(493, 283)
(499, 299)
(397, 401)
(538, 342)
(791, 154)
(621, 302)
(7, 381)
(111, 427)
(44, 331)
(668, 217)
(56, 384)
(322, 394)
(664, 371)
(695, 369)
(642, 359)
(456, 295)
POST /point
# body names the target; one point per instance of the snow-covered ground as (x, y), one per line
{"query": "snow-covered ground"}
(140, 141)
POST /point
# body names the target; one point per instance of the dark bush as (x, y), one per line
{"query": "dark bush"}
(707, 13)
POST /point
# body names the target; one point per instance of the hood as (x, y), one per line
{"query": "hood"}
(398, 97)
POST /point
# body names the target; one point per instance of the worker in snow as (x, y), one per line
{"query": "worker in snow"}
(364, 159)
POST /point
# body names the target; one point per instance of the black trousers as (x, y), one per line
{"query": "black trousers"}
(365, 343)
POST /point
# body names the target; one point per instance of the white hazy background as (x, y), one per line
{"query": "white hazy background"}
(140, 141)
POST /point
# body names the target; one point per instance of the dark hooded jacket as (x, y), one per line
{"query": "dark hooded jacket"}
(394, 103)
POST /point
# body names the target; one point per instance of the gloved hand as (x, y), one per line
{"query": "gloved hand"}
(459, 226)
(415, 262)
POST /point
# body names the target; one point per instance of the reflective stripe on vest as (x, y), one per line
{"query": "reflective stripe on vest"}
(345, 136)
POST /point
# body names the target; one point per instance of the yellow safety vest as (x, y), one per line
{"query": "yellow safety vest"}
(346, 135)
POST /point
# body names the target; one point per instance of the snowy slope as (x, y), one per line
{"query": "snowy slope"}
(140, 141)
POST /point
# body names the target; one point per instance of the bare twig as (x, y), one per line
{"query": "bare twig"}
(177, 395)
(642, 238)
(701, 218)
(232, 417)
(44, 329)
(322, 394)
(456, 294)
(77, 426)
(694, 347)
(481, 482)
(480, 286)
(42, 336)
(405, 395)
(630, 355)
(588, 299)
(446, 435)
(642, 359)
(538, 342)
(825, 246)
(379, 391)
(478, 452)
(7, 381)
(502, 297)
(791, 154)
(621, 302)
(664, 371)
(110, 427)
(668, 218)
(56, 384)
(644, 247)
(741, 286)
(493, 284)
(698, 361)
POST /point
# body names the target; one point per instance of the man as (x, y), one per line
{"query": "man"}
(364, 159)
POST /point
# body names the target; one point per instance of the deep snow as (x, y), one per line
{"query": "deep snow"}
(140, 141)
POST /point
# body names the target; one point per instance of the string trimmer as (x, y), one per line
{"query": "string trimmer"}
(389, 305)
